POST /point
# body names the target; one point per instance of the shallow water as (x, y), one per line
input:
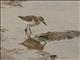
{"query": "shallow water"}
(59, 16)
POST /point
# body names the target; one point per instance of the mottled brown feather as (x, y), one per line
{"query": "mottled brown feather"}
(30, 18)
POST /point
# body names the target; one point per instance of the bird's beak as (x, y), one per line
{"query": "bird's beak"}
(44, 22)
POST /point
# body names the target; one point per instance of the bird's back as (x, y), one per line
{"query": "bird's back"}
(26, 18)
(31, 20)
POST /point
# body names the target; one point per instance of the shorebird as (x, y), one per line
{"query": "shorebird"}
(32, 21)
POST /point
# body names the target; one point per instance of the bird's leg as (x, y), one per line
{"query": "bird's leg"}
(30, 31)
(26, 31)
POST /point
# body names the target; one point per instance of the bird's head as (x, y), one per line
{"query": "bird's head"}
(42, 20)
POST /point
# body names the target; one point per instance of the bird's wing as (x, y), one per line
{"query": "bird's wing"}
(28, 18)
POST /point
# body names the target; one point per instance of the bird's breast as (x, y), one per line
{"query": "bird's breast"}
(32, 23)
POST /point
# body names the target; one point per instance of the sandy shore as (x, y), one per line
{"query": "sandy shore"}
(59, 16)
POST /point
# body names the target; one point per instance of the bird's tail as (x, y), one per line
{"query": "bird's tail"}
(21, 17)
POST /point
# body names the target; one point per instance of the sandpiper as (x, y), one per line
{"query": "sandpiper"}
(32, 21)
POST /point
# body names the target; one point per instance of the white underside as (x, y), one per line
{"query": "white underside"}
(32, 23)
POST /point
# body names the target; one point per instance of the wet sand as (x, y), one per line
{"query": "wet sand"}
(59, 16)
